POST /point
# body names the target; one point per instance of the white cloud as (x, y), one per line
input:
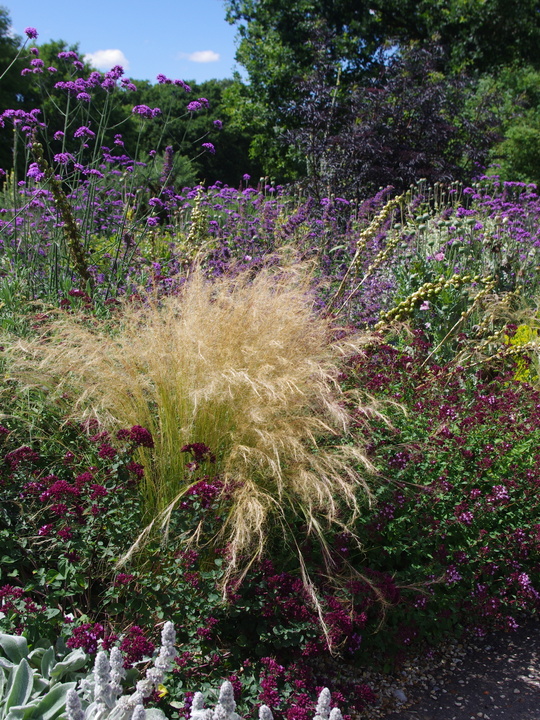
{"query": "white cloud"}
(106, 59)
(204, 56)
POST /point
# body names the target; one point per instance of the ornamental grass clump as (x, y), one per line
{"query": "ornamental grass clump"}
(238, 378)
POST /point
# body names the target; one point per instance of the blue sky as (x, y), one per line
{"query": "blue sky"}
(185, 39)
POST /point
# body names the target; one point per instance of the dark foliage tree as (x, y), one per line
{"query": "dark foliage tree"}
(407, 123)
(277, 51)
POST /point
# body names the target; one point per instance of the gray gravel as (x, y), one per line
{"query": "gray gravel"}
(495, 678)
(499, 679)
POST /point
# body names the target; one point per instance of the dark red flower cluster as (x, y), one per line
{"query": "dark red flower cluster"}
(135, 646)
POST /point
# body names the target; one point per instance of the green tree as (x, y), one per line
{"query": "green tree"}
(12, 86)
(279, 45)
(185, 132)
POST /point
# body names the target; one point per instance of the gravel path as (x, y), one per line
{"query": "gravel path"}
(498, 679)
(495, 678)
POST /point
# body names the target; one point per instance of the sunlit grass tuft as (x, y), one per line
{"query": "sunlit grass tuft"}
(244, 365)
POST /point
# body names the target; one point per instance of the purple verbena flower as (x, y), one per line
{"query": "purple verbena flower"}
(83, 132)
(35, 173)
(63, 158)
(31, 33)
(193, 106)
(208, 146)
(142, 110)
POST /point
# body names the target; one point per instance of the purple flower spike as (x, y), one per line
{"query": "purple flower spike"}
(31, 33)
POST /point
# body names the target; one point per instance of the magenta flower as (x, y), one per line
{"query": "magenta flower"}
(135, 646)
(218, 124)
(98, 491)
(193, 106)
(31, 33)
(208, 146)
(141, 436)
(106, 451)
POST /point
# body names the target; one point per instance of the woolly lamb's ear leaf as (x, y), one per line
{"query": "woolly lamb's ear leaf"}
(47, 663)
(74, 661)
(15, 647)
(2, 683)
(22, 682)
(50, 706)
(155, 714)
(34, 656)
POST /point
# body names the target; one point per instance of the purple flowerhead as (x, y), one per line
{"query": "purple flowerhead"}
(163, 80)
(84, 132)
(127, 84)
(68, 55)
(204, 102)
(35, 173)
(194, 105)
(209, 147)
(37, 62)
(31, 33)
(58, 135)
(142, 110)
(63, 158)
(182, 84)
(84, 96)
(218, 124)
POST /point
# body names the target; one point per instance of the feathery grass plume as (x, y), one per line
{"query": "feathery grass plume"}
(247, 367)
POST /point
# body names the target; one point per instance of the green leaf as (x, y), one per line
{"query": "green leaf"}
(74, 661)
(155, 714)
(47, 663)
(21, 685)
(52, 704)
(15, 647)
